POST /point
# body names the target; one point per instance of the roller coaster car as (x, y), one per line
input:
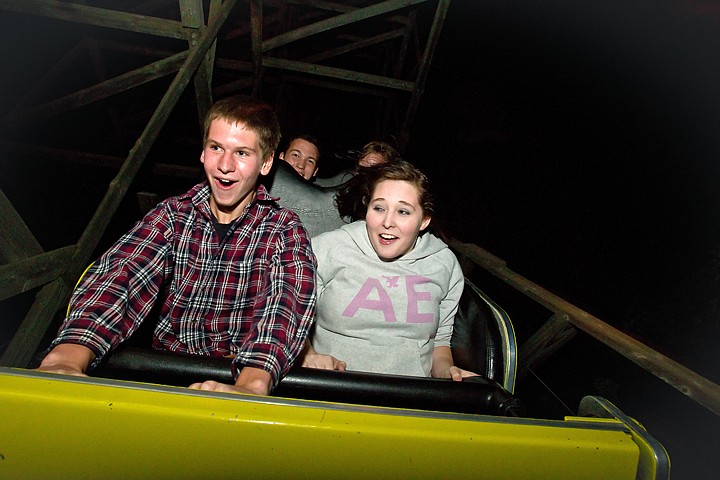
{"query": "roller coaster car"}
(317, 424)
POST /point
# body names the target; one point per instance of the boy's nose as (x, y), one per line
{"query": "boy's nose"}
(225, 164)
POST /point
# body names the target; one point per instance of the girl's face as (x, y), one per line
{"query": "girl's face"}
(394, 218)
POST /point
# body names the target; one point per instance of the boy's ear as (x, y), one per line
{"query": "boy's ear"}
(267, 164)
(425, 223)
(202, 156)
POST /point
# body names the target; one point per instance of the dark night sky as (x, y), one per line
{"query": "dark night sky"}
(580, 142)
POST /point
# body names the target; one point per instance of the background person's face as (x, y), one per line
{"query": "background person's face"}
(303, 157)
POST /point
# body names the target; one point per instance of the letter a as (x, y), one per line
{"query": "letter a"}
(362, 300)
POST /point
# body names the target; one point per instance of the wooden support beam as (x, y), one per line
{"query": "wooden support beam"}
(193, 18)
(234, 87)
(695, 386)
(16, 240)
(256, 35)
(357, 45)
(234, 65)
(320, 4)
(337, 21)
(340, 87)
(432, 40)
(391, 110)
(244, 29)
(100, 17)
(102, 75)
(554, 333)
(339, 73)
(32, 272)
(410, 27)
(99, 91)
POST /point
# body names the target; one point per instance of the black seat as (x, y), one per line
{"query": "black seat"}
(483, 341)
(483, 338)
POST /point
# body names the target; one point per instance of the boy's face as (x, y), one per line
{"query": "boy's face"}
(303, 156)
(232, 159)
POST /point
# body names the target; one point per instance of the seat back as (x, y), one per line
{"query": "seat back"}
(483, 338)
(314, 205)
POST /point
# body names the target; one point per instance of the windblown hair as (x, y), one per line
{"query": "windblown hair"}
(384, 149)
(352, 200)
(256, 115)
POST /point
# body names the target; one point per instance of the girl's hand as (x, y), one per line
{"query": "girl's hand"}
(324, 362)
(457, 374)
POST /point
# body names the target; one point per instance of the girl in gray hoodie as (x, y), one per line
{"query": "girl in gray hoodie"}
(388, 289)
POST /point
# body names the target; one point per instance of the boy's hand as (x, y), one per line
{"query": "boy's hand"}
(250, 380)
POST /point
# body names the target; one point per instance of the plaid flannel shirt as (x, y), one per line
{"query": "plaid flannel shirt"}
(250, 295)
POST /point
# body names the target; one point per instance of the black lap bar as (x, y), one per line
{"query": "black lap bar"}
(475, 395)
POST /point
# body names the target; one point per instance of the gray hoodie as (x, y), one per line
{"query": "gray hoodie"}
(384, 316)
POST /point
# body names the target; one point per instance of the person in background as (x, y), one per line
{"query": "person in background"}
(349, 199)
(232, 271)
(376, 153)
(373, 153)
(303, 153)
(388, 288)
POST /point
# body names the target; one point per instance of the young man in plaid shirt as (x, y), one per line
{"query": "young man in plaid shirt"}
(232, 271)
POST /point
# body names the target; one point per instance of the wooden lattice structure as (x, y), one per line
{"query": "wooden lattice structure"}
(380, 51)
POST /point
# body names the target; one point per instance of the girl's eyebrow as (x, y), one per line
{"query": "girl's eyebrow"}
(382, 199)
(409, 204)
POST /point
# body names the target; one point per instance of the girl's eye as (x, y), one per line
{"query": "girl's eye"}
(377, 208)
(403, 212)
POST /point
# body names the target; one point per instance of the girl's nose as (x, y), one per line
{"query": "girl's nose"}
(388, 221)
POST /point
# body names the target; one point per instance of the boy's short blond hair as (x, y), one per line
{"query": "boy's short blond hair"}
(254, 114)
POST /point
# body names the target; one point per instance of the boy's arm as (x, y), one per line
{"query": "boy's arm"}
(68, 359)
(288, 308)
